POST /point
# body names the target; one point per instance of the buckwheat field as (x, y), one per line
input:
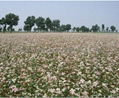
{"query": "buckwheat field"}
(59, 64)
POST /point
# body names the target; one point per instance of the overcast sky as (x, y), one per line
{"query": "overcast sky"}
(76, 13)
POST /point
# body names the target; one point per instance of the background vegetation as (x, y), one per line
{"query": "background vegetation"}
(40, 24)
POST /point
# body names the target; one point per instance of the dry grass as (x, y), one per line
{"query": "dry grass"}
(59, 64)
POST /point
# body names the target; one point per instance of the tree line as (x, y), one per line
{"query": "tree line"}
(40, 24)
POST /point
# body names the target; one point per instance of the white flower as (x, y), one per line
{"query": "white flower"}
(89, 82)
(62, 73)
(29, 68)
(82, 80)
(58, 91)
(117, 89)
(82, 63)
(63, 89)
(1, 63)
(54, 78)
(72, 91)
(14, 80)
(51, 90)
(85, 93)
(45, 96)
(104, 84)
(60, 64)
(14, 88)
(113, 91)
(95, 83)
(50, 64)
(79, 73)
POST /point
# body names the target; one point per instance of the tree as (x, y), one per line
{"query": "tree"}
(63, 28)
(56, 25)
(113, 28)
(95, 28)
(3, 24)
(77, 29)
(107, 29)
(29, 23)
(103, 27)
(74, 29)
(20, 29)
(40, 23)
(68, 27)
(0, 28)
(0, 25)
(27, 27)
(84, 29)
(11, 20)
(48, 23)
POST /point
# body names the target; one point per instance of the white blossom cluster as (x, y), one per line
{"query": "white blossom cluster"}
(59, 65)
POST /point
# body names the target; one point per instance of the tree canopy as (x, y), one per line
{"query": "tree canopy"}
(113, 28)
(29, 23)
(95, 28)
(11, 20)
(41, 24)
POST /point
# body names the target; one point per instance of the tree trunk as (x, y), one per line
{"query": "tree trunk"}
(11, 29)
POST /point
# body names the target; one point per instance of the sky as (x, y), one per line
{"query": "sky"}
(76, 13)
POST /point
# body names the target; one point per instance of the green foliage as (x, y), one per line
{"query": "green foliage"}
(7, 22)
(48, 23)
(77, 29)
(0, 25)
(103, 27)
(11, 20)
(74, 29)
(113, 28)
(3, 24)
(95, 28)
(65, 28)
(84, 29)
(0, 28)
(62, 28)
(107, 29)
(29, 23)
(68, 27)
(20, 29)
(56, 25)
(40, 23)
(27, 27)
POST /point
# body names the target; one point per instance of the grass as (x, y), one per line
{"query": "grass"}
(59, 64)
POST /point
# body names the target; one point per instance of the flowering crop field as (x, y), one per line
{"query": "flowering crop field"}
(59, 64)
